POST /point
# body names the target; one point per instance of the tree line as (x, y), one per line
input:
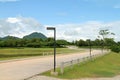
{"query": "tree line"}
(49, 42)
(108, 43)
(102, 41)
(33, 42)
(97, 42)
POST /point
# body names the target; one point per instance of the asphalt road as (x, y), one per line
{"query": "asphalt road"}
(20, 70)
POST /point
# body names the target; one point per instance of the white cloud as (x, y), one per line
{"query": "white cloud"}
(19, 26)
(87, 30)
(13, 20)
(8, 0)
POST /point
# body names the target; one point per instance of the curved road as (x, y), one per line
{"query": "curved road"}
(20, 70)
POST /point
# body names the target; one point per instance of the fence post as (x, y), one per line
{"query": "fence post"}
(94, 56)
(71, 63)
(43, 53)
(78, 60)
(83, 59)
(62, 68)
(88, 58)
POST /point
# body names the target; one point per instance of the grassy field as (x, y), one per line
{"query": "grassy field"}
(13, 53)
(106, 66)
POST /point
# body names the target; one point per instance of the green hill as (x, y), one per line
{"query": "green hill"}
(35, 35)
(9, 37)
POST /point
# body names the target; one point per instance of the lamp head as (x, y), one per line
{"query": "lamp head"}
(50, 28)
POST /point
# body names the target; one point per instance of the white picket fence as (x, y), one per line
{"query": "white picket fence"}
(50, 53)
(47, 53)
(79, 60)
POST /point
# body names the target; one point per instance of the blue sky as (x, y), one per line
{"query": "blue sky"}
(62, 11)
(76, 15)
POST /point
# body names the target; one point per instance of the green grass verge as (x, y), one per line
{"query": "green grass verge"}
(13, 53)
(106, 66)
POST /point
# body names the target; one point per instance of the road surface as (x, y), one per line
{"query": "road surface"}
(20, 70)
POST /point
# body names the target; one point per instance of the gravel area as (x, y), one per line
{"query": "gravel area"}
(113, 78)
(22, 69)
(43, 78)
(50, 78)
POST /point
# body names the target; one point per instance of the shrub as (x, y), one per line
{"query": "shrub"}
(115, 48)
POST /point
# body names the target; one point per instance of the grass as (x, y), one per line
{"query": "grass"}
(13, 53)
(106, 66)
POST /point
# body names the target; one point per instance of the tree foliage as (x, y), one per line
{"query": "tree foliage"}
(115, 48)
(32, 42)
(105, 33)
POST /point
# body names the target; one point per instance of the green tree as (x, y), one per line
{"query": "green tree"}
(115, 48)
(81, 43)
(109, 42)
(105, 33)
(97, 42)
(105, 36)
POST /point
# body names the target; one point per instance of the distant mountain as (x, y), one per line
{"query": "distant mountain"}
(35, 35)
(9, 37)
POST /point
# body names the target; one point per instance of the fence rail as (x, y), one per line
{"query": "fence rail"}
(79, 60)
(47, 53)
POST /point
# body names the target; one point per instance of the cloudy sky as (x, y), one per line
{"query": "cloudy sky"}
(73, 19)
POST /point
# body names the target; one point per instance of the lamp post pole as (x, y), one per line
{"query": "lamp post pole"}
(54, 50)
(90, 48)
(52, 28)
(102, 45)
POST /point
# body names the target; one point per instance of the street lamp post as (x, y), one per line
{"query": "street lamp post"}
(53, 28)
(90, 48)
(102, 41)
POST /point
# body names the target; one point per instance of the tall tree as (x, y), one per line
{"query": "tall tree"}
(105, 34)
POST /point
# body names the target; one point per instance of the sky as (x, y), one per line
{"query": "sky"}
(73, 19)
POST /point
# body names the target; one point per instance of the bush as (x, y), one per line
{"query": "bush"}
(34, 45)
(115, 48)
